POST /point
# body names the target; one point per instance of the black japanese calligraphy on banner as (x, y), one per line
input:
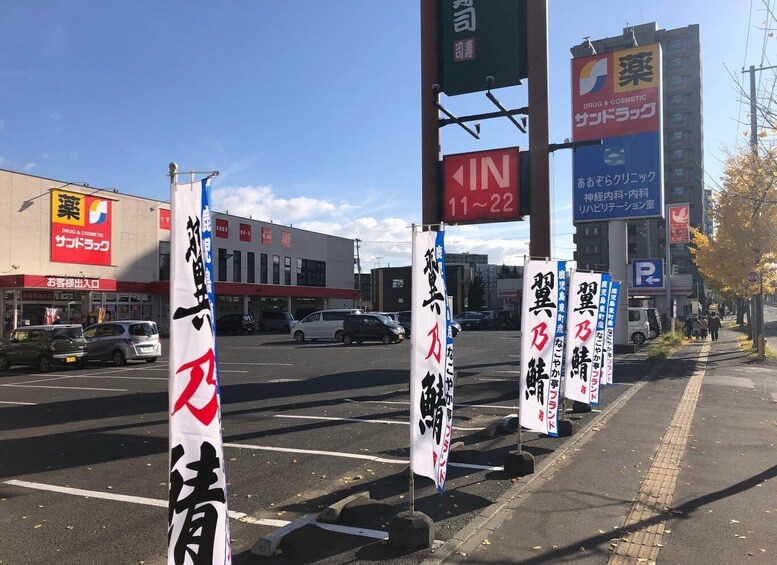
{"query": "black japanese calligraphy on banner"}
(431, 389)
(598, 353)
(542, 344)
(582, 354)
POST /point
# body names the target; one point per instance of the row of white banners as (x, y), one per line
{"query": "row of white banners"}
(568, 321)
(567, 340)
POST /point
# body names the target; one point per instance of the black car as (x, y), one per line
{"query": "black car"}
(235, 323)
(371, 327)
(44, 346)
(506, 320)
(471, 321)
(405, 319)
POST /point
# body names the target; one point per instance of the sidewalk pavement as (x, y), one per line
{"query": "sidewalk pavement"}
(680, 469)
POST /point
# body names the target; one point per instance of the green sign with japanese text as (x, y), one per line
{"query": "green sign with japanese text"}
(478, 39)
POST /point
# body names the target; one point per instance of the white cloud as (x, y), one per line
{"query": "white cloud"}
(262, 204)
(29, 166)
(384, 240)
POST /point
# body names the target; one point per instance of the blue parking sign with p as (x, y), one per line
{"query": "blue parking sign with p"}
(647, 273)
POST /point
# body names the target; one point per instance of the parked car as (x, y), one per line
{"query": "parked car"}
(639, 327)
(489, 320)
(123, 340)
(470, 320)
(455, 328)
(507, 320)
(276, 320)
(324, 324)
(235, 323)
(371, 327)
(44, 346)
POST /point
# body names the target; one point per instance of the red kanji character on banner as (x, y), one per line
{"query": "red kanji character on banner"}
(207, 412)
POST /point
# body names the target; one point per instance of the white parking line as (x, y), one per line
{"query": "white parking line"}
(407, 403)
(373, 458)
(68, 387)
(20, 403)
(240, 516)
(363, 420)
(108, 377)
(261, 364)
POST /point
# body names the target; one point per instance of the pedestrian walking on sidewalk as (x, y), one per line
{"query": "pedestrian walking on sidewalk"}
(704, 327)
(714, 326)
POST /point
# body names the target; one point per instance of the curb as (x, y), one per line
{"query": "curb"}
(494, 515)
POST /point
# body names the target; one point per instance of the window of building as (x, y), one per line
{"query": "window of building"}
(251, 267)
(678, 80)
(676, 99)
(276, 269)
(263, 268)
(287, 270)
(237, 266)
(222, 274)
(678, 173)
(675, 62)
(674, 45)
(678, 191)
(678, 155)
(678, 118)
(677, 136)
(164, 260)
(311, 273)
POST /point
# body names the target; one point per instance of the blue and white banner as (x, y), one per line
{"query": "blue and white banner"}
(597, 377)
(198, 527)
(431, 360)
(609, 332)
(542, 344)
(582, 318)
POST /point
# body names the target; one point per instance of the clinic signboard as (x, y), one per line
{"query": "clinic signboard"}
(617, 98)
(80, 228)
(478, 39)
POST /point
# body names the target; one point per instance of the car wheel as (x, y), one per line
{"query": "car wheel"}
(44, 364)
(150, 359)
(638, 338)
(4, 364)
(118, 358)
(387, 339)
(653, 334)
(347, 339)
(454, 332)
(339, 335)
(299, 336)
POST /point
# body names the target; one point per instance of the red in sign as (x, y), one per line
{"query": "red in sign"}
(482, 187)
(679, 223)
(164, 219)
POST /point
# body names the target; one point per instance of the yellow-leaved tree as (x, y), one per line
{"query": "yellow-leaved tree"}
(745, 219)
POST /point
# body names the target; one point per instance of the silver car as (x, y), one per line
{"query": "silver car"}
(123, 340)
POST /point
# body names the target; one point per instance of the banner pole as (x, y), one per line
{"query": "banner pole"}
(411, 479)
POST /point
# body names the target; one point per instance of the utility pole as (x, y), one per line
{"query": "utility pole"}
(758, 326)
(430, 132)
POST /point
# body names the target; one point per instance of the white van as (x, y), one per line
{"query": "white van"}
(324, 324)
(639, 326)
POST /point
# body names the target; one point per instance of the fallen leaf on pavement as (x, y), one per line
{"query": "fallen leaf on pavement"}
(485, 542)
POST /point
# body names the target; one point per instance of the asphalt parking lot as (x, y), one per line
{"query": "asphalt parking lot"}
(84, 464)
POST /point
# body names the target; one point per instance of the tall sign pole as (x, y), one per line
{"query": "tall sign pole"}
(430, 132)
(539, 163)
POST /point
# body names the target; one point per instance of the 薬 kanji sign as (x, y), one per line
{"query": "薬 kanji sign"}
(617, 98)
(80, 228)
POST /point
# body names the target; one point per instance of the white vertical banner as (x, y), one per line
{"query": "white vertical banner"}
(198, 522)
(582, 317)
(609, 332)
(542, 344)
(431, 360)
(597, 364)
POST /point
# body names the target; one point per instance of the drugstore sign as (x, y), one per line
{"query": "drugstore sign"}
(80, 228)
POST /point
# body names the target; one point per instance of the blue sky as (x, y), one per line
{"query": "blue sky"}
(309, 108)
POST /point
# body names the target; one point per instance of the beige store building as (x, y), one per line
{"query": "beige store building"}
(71, 250)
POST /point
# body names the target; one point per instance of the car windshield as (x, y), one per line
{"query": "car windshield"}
(146, 329)
(385, 319)
(70, 333)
